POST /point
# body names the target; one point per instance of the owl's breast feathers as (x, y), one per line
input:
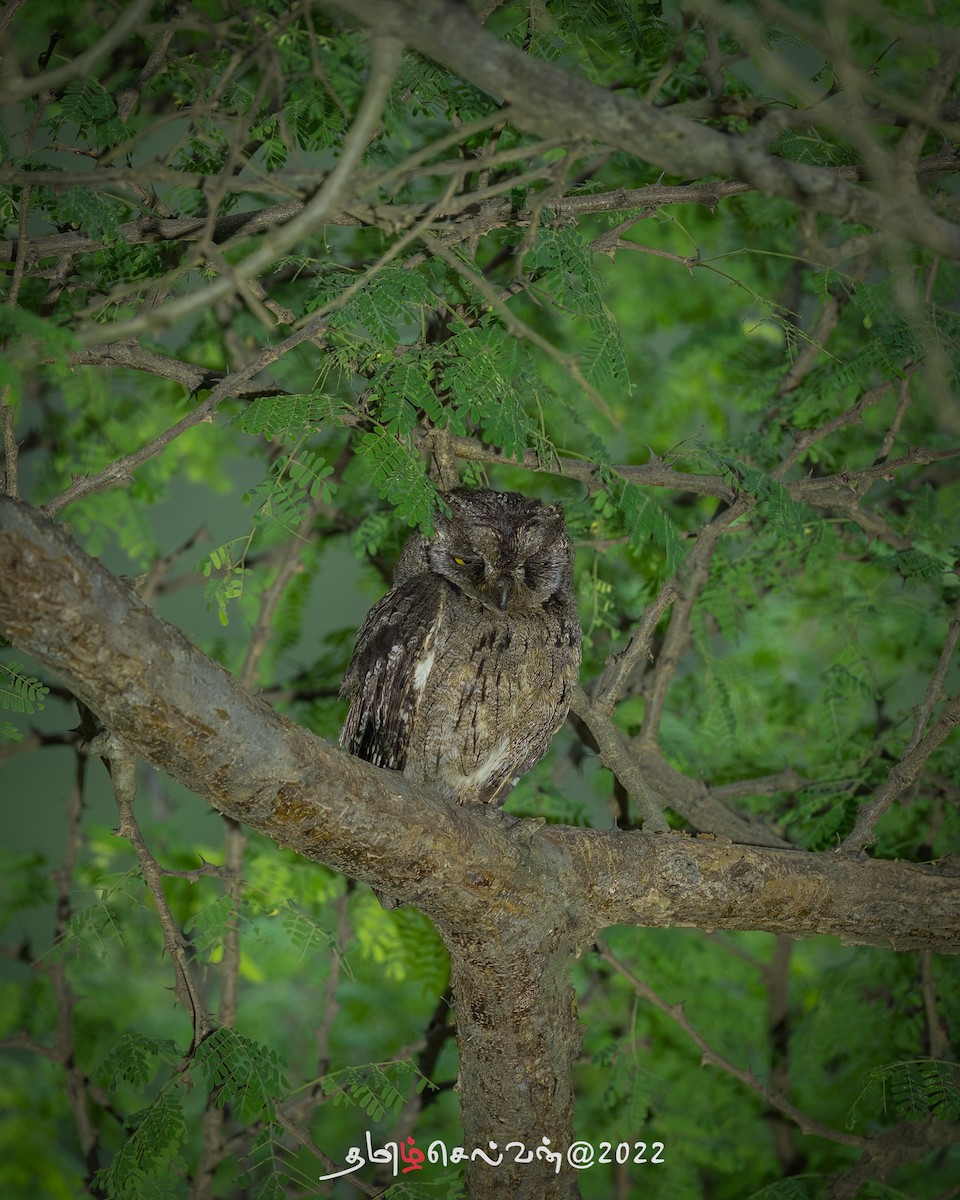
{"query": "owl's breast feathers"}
(458, 696)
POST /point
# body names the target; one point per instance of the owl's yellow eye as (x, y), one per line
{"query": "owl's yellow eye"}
(459, 561)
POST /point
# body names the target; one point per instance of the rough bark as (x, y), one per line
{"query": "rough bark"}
(514, 904)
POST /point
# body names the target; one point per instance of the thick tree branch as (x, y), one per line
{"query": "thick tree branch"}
(546, 100)
(513, 903)
(190, 718)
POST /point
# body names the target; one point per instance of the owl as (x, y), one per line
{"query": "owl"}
(464, 671)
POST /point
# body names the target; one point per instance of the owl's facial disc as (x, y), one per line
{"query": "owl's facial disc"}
(511, 557)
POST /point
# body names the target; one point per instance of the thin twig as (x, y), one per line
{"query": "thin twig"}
(935, 688)
(121, 763)
(619, 667)
(19, 87)
(64, 999)
(777, 979)
(938, 1043)
(386, 63)
(901, 776)
(120, 471)
(709, 1057)
(850, 416)
(617, 758)
(675, 639)
(11, 448)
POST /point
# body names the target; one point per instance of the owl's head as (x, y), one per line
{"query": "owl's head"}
(510, 553)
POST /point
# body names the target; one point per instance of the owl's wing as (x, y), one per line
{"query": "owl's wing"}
(389, 665)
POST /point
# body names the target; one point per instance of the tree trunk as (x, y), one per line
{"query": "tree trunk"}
(517, 1035)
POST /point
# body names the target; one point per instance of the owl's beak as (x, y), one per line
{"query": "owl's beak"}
(502, 591)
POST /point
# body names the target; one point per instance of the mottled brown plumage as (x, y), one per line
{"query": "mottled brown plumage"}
(464, 671)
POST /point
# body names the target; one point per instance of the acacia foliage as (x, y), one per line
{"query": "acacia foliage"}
(549, 315)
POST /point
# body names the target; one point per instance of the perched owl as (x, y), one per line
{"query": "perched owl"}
(464, 671)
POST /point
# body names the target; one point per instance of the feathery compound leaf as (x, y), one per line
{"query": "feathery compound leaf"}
(306, 934)
(389, 305)
(134, 1059)
(81, 208)
(644, 520)
(294, 481)
(567, 263)
(399, 477)
(473, 377)
(485, 381)
(603, 359)
(287, 417)
(21, 693)
(403, 384)
(243, 1072)
(507, 426)
(309, 472)
(376, 1088)
(915, 1089)
(150, 1155)
(923, 1087)
(773, 500)
(89, 105)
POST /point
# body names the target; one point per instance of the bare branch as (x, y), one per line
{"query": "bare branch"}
(545, 99)
(191, 378)
(936, 688)
(919, 748)
(451, 219)
(121, 763)
(776, 976)
(709, 1057)
(64, 999)
(18, 87)
(900, 778)
(657, 473)
(937, 1038)
(695, 576)
(121, 469)
(811, 490)
(786, 780)
(617, 759)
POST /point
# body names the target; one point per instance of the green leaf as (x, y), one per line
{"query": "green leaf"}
(150, 1154)
(19, 692)
(644, 521)
(399, 476)
(241, 1072)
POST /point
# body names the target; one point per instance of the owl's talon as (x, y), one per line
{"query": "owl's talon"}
(522, 827)
(529, 826)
